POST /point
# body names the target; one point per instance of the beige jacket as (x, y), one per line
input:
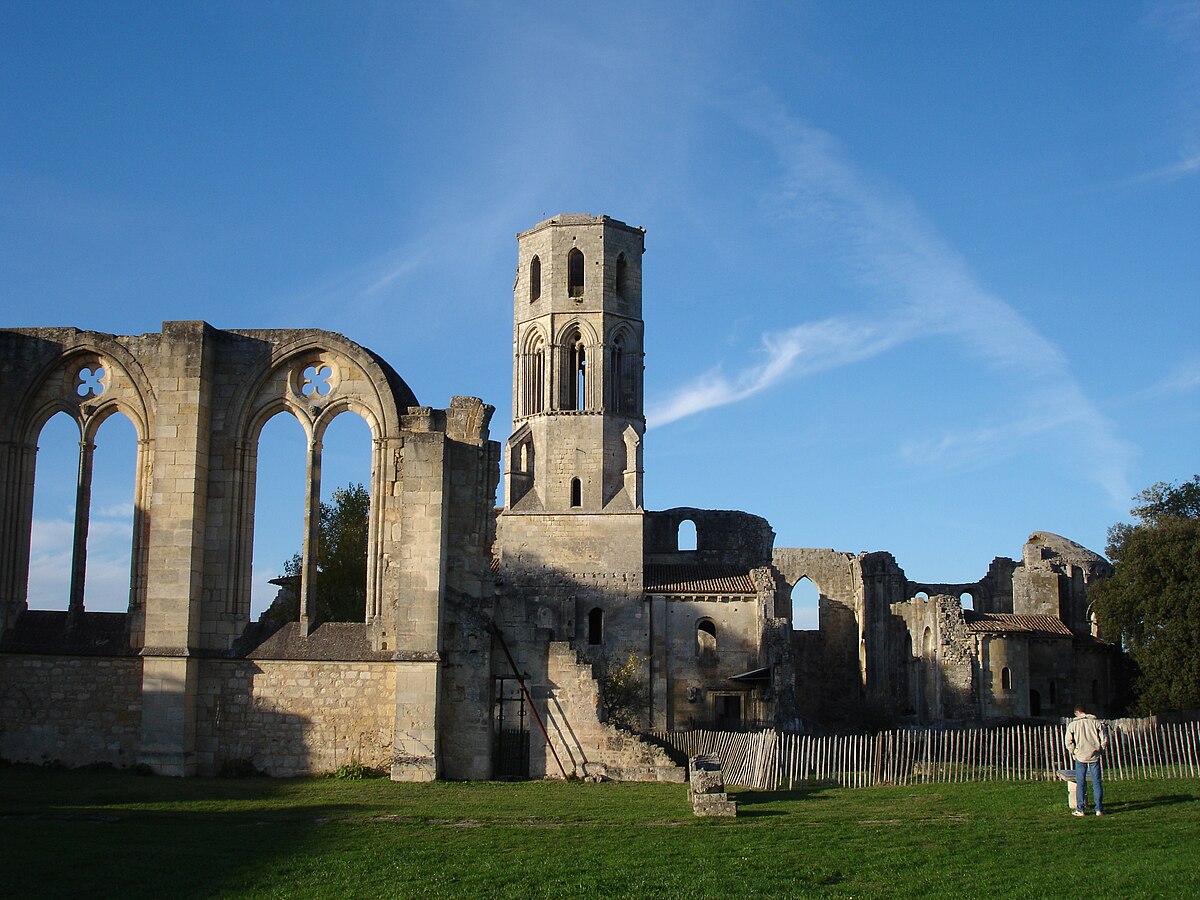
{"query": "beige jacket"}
(1087, 738)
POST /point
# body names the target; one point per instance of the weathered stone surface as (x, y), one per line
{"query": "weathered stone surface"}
(572, 578)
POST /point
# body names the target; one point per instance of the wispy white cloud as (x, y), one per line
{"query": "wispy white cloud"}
(926, 289)
(1183, 379)
(802, 350)
(1172, 172)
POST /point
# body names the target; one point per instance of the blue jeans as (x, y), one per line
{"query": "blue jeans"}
(1083, 771)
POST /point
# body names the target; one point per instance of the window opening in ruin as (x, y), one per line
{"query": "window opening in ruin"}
(91, 381)
(279, 493)
(706, 641)
(920, 595)
(621, 275)
(927, 647)
(525, 457)
(685, 536)
(81, 537)
(56, 470)
(576, 493)
(806, 606)
(1035, 703)
(596, 626)
(1006, 679)
(316, 380)
(341, 591)
(967, 600)
(575, 273)
(535, 279)
(110, 528)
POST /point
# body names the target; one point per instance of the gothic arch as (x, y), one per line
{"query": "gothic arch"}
(69, 382)
(533, 367)
(622, 370)
(54, 390)
(585, 329)
(316, 377)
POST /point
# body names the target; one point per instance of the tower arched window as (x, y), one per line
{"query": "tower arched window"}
(576, 380)
(575, 273)
(622, 274)
(596, 626)
(1006, 678)
(576, 493)
(617, 376)
(535, 279)
(534, 377)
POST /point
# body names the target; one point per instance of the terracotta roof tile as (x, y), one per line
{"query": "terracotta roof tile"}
(1009, 623)
(662, 579)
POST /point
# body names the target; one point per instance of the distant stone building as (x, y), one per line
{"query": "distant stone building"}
(483, 632)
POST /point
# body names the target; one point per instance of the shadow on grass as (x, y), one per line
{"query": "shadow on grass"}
(758, 798)
(1117, 807)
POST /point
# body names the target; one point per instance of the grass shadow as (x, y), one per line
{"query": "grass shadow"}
(796, 795)
(1117, 807)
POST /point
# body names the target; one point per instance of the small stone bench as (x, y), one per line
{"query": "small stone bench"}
(706, 787)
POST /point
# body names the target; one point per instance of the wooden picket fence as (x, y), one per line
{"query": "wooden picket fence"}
(769, 760)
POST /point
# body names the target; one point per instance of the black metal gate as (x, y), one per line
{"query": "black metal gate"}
(510, 722)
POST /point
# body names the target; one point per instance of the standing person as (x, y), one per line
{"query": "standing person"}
(1086, 739)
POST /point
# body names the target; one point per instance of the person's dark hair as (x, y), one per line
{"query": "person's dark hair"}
(1079, 708)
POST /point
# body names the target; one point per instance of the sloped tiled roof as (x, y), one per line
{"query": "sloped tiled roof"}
(1009, 623)
(661, 579)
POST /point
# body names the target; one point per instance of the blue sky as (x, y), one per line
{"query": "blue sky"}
(920, 277)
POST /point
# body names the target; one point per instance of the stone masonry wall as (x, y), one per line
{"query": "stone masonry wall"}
(295, 717)
(73, 710)
(569, 704)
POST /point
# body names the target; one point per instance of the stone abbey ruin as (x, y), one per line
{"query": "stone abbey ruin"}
(484, 628)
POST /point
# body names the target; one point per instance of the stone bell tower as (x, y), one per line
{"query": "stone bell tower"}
(578, 418)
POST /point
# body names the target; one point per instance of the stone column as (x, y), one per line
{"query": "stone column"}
(418, 612)
(83, 509)
(16, 522)
(175, 549)
(312, 540)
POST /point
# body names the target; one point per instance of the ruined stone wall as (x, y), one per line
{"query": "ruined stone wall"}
(73, 710)
(723, 537)
(295, 717)
(1051, 675)
(997, 653)
(464, 715)
(565, 565)
(828, 670)
(569, 703)
(686, 677)
(1093, 676)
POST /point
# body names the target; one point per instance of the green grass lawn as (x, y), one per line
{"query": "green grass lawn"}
(102, 833)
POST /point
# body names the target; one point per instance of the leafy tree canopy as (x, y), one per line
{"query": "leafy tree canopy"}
(1156, 504)
(341, 589)
(1151, 605)
(623, 692)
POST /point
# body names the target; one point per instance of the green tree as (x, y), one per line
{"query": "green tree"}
(1151, 605)
(341, 589)
(623, 692)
